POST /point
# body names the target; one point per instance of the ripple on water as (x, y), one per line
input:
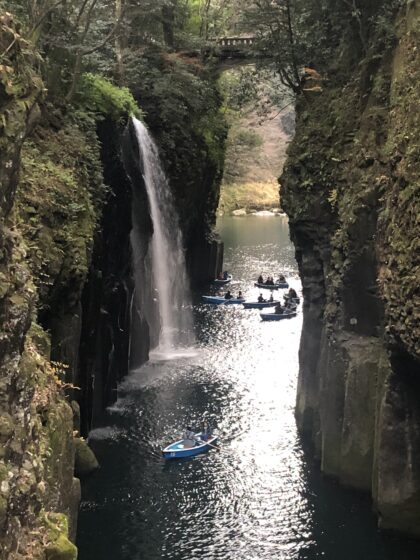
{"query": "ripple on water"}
(256, 498)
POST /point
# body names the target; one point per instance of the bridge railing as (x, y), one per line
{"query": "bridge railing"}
(236, 42)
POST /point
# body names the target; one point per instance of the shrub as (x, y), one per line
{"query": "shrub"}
(99, 95)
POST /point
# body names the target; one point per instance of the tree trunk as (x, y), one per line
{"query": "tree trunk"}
(168, 23)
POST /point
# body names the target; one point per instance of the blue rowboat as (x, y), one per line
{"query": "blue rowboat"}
(220, 282)
(181, 448)
(259, 304)
(281, 286)
(220, 300)
(277, 316)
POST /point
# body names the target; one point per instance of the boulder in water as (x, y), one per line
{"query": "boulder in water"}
(85, 460)
(240, 212)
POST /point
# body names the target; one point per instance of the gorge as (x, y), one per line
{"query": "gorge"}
(77, 287)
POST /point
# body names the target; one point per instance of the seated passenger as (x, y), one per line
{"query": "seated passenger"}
(271, 297)
(225, 275)
(188, 437)
(270, 281)
(292, 293)
(281, 279)
(278, 309)
(240, 296)
(228, 295)
(203, 430)
(260, 279)
(261, 299)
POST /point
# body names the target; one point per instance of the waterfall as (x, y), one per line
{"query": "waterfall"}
(165, 251)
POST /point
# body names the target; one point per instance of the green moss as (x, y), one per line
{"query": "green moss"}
(40, 338)
(59, 448)
(99, 95)
(59, 547)
(58, 206)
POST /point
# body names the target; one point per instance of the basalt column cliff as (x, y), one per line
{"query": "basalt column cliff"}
(351, 190)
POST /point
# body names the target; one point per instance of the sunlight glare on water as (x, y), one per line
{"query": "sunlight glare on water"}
(259, 496)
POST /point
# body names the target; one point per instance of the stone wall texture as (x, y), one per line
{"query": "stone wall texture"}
(351, 190)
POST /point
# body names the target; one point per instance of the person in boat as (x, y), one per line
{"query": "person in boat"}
(188, 437)
(289, 304)
(228, 295)
(261, 299)
(240, 296)
(292, 293)
(271, 281)
(206, 431)
(225, 275)
(278, 310)
(281, 279)
(260, 279)
(271, 297)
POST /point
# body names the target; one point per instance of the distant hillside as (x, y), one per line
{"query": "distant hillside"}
(254, 160)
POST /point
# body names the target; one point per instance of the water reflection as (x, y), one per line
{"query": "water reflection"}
(259, 497)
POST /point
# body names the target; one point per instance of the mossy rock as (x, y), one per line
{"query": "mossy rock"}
(86, 461)
(61, 549)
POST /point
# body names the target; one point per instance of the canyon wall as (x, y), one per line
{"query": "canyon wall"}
(66, 281)
(351, 189)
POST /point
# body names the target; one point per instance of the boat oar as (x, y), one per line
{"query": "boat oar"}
(214, 446)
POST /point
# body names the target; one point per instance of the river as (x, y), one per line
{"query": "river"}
(260, 496)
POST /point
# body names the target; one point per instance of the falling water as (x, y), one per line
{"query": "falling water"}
(165, 250)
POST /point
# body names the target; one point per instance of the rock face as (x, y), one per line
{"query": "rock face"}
(35, 422)
(350, 188)
(66, 287)
(183, 114)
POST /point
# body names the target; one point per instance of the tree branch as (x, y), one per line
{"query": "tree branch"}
(44, 16)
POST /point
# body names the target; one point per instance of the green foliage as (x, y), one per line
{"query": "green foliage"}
(59, 547)
(58, 205)
(239, 88)
(99, 95)
(182, 106)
